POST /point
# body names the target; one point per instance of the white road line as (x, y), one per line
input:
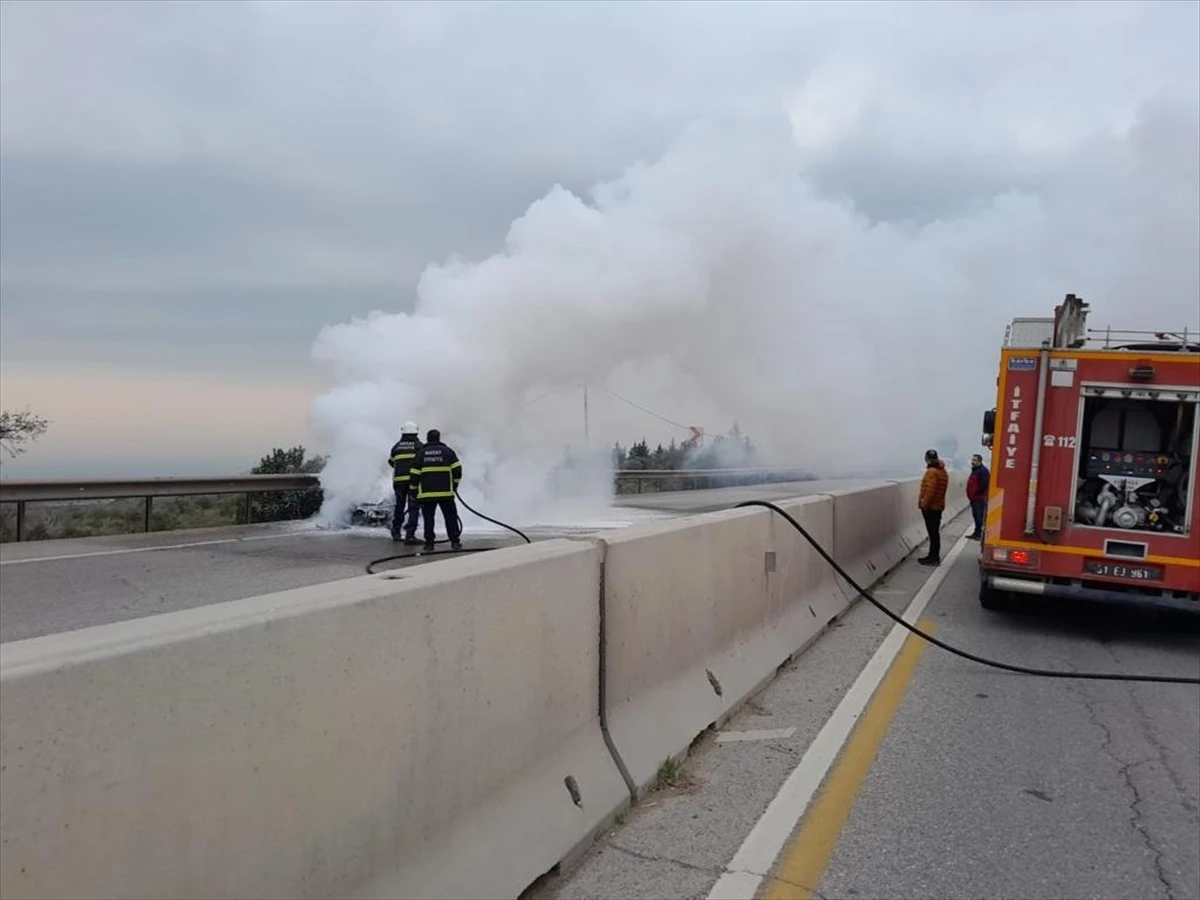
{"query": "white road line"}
(123, 551)
(762, 846)
(726, 737)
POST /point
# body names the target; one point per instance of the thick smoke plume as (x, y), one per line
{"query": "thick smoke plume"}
(721, 269)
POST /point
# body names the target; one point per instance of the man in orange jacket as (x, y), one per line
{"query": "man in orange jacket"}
(932, 502)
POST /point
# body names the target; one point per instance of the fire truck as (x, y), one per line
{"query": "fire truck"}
(1094, 465)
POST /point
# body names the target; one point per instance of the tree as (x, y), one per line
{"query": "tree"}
(289, 462)
(288, 504)
(18, 427)
(639, 456)
(619, 456)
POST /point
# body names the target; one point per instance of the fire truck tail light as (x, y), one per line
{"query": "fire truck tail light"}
(1015, 557)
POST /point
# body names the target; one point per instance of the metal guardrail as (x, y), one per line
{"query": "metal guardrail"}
(700, 479)
(25, 491)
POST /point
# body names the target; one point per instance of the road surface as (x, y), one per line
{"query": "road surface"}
(957, 781)
(55, 586)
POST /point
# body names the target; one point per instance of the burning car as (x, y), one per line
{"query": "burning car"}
(373, 514)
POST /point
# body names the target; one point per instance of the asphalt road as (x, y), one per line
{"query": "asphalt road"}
(981, 784)
(48, 587)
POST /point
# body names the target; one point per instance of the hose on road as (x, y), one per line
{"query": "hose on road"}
(1008, 667)
(766, 504)
(423, 553)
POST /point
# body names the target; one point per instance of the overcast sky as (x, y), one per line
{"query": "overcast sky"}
(190, 191)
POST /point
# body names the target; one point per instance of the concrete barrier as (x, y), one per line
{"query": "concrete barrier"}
(876, 528)
(868, 525)
(430, 734)
(371, 737)
(699, 614)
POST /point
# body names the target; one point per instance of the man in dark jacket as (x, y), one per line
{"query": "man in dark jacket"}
(977, 491)
(402, 458)
(435, 476)
(932, 502)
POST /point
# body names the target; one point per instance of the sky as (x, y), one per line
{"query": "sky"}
(198, 200)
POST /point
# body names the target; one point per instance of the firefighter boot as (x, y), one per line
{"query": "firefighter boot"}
(410, 538)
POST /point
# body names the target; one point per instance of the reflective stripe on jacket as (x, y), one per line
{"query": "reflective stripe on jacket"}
(403, 457)
(436, 472)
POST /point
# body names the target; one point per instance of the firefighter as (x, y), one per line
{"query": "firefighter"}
(932, 502)
(402, 459)
(436, 475)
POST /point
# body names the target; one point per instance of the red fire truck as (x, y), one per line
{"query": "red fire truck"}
(1094, 465)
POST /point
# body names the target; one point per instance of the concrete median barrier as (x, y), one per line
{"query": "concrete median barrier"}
(876, 528)
(868, 531)
(699, 614)
(432, 735)
(805, 594)
(433, 732)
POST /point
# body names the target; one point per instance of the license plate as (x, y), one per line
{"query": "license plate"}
(1109, 569)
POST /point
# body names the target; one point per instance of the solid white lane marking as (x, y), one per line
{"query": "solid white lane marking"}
(725, 737)
(766, 840)
(125, 550)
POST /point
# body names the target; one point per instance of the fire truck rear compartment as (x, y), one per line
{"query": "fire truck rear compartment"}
(1134, 460)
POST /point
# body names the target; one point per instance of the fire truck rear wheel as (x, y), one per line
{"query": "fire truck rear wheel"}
(990, 598)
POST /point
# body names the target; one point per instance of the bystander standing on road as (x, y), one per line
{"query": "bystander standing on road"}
(977, 491)
(932, 501)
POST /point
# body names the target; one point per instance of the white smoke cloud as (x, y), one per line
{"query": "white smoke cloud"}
(835, 341)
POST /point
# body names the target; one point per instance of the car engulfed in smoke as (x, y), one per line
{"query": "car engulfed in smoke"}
(372, 514)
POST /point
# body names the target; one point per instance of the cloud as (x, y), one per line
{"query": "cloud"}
(119, 423)
(195, 182)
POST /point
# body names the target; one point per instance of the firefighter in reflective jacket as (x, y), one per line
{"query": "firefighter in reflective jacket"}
(435, 475)
(402, 459)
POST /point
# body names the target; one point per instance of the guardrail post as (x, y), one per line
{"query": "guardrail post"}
(249, 515)
(146, 517)
(20, 520)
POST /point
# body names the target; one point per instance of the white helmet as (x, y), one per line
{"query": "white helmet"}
(410, 427)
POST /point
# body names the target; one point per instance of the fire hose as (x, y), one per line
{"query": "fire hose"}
(422, 553)
(863, 592)
(1008, 667)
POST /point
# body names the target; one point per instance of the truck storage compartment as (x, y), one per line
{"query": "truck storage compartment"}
(1137, 448)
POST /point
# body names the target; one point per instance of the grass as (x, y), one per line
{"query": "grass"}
(670, 774)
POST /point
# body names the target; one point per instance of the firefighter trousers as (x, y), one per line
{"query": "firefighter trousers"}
(406, 502)
(449, 510)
